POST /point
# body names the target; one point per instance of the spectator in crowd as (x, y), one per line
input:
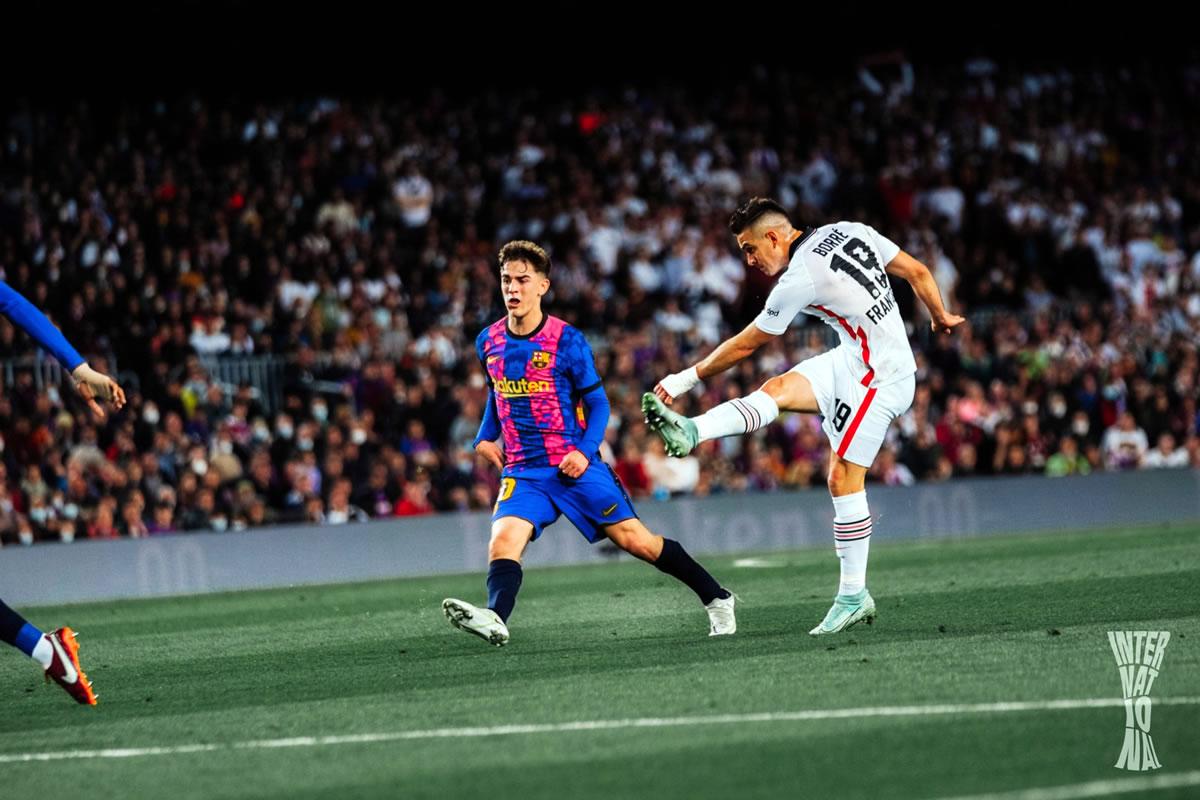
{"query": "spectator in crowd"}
(1166, 455)
(1067, 460)
(1125, 444)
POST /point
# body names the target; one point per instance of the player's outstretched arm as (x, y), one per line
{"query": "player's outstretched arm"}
(90, 384)
(728, 353)
(921, 280)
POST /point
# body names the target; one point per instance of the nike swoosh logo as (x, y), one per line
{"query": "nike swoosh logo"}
(492, 358)
(609, 510)
(70, 674)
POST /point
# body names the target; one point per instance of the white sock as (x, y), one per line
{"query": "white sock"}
(736, 417)
(852, 539)
(43, 653)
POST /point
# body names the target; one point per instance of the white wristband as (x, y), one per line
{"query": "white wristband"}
(680, 382)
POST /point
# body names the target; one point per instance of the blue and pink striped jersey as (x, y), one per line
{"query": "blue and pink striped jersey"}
(537, 382)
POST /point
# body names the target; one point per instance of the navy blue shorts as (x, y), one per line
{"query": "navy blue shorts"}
(593, 500)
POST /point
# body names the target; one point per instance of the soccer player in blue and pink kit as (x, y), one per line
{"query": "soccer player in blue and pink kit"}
(57, 652)
(548, 406)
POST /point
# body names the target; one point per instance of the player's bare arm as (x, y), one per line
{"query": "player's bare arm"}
(491, 451)
(921, 280)
(93, 385)
(728, 353)
(573, 464)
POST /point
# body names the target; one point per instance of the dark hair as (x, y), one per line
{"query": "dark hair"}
(754, 208)
(528, 252)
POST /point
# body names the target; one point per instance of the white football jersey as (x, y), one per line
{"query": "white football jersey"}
(836, 274)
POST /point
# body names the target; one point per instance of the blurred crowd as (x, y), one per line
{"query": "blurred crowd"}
(349, 246)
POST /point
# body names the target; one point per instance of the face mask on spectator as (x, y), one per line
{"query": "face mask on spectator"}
(305, 444)
(26, 537)
(466, 464)
(67, 533)
(239, 525)
(70, 511)
(150, 415)
(337, 518)
(225, 446)
(320, 412)
(262, 433)
(383, 317)
(55, 397)
(39, 515)
(358, 436)
(199, 466)
(1080, 427)
(1058, 410)
(219, 523)
(285, 431)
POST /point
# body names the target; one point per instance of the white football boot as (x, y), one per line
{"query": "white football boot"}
(483, 622)
(847, 610)
(720, 614)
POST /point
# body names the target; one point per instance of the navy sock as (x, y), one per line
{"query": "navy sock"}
(675, 561)
(503, 582)
(16, 631)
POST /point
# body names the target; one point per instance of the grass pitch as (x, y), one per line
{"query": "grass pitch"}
(366, 691)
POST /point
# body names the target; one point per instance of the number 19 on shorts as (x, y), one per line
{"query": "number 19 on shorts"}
(841, 413)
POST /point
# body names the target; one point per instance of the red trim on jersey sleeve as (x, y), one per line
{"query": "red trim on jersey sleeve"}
(862, 411)
(859, 336)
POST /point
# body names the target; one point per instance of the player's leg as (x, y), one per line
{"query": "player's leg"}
(856, 430)
(669, 556)
(598, 505)
(58, 653)
(16, 630)
(791, 391)
(522, 510)
(851, 522)
(852, 544)
(510, 536)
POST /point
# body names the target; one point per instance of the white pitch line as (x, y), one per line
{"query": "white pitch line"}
(1104, 788)
(758, 563)
(597, 725)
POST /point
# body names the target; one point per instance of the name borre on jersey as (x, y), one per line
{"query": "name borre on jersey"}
(836, 274)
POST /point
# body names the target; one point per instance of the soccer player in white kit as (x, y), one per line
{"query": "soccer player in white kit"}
(839, 274)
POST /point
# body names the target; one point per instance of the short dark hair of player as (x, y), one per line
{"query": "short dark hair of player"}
(754, 208)
(528, 252)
